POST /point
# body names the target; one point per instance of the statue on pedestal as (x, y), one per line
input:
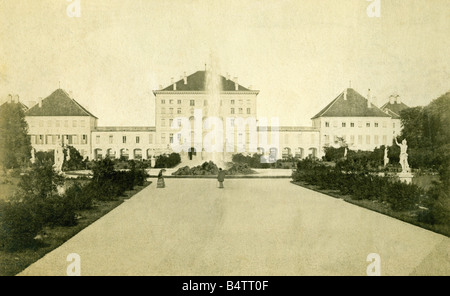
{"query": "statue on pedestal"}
(59, 157)
(386, 158)
(33, 156)
(403, 155)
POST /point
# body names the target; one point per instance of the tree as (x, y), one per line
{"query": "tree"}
(15, 145)
(75, 161)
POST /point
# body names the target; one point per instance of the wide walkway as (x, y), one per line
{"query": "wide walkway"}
(252, 227)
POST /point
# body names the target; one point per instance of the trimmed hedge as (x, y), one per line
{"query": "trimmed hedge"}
(36, 204)
(360, 186)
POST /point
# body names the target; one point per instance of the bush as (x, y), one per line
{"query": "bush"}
(57, 211)
(168, 161)
(19, 225)
(75, 162)
(78, 197)
(359, 185)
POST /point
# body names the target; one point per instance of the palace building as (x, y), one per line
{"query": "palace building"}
(205, 113)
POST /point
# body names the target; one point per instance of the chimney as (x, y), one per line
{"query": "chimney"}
(398, 100)
(369, 99)
(40, 102)
(10, 98)
(391, 99)
(173, 83)
(228, 76)
(236, 85)
(345, 95)
(185, 78)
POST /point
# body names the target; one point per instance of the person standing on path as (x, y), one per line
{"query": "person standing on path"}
(161, 183)
(221, 178)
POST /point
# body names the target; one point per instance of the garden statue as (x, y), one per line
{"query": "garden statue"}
(33, 156)
(345, 152)
(152, 161)
(59, 157)
(386, 158)
(403, 156)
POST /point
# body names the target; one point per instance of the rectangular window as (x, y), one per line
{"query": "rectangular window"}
(344, 124)
(82, 123)
(384, 140)
(170, 102)
(163, 138)
(49, 123)
(327, 139)
(376, 124)
(111, 139)
(352, 139)
(171, 138)
(360, 140)
(241, 110)
(367, 124)
(163, 110)
(375, 140)
(66, 123)
(335, 124)
(74, 123)
(170, 122)
(163, 101)
(384, 124)
(75, 140)
(232, 110)
(205, 103)
(232, 102)
(179, 122)
(368, 140)
(179, 102)
(84, 139)
(124, 139)
(97, 140)
(163, 122)
(327, 124)
(192, 103)
(359, 123)
(179, 111)
(170, 110)
(138, 140)
(352, 124)
(249, 111)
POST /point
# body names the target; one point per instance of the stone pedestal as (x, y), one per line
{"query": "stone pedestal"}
(405, 177)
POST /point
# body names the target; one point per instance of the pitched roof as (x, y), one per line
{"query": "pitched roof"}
(23, 106)
(394, 108)
(59, 104)
(197, 82)
(354, 105)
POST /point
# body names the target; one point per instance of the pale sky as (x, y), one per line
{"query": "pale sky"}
(300, 54)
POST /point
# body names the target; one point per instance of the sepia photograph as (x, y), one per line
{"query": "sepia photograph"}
(224, 139)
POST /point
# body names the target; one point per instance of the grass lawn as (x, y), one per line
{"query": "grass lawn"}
(11, 263)
(382, 208)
